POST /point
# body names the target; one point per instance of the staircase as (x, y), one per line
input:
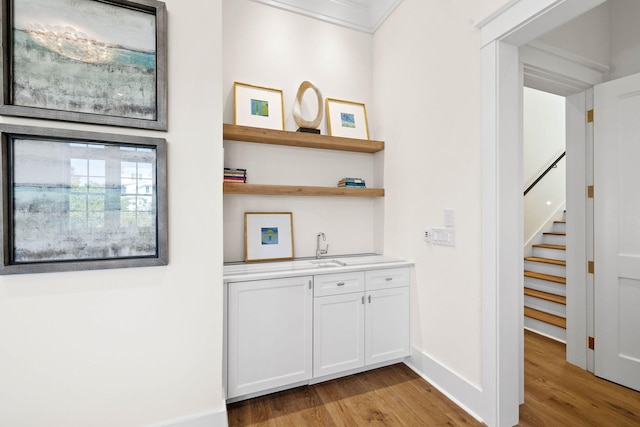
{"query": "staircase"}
(545, 285)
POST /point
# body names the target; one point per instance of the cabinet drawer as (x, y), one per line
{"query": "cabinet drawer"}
(339, 283)
(388, 278)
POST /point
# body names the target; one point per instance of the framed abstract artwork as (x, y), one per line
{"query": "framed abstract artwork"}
(347, 119)
(258, 106)
(268, 236)
(81, 200)
(88, 61)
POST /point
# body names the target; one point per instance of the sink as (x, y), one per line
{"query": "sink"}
(327, 263)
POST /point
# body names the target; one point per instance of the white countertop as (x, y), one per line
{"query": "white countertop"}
(242, 271)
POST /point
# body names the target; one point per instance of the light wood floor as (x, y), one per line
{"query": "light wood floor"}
(557, 395)
(560, 394)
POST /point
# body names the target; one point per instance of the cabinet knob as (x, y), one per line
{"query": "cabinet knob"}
(388, 279)
(340, 283)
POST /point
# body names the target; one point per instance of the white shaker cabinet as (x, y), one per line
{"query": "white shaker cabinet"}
(338, 323)
(387, 321)
(269, 340)
(356, 326)
(387, 325)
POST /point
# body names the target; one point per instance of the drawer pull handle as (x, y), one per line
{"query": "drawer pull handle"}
(363, 299)
(340, 283)
(369, 299)
(388, 279)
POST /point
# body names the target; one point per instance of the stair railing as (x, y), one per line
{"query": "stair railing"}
(542, 175)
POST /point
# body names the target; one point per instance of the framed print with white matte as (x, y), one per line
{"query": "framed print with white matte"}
(257, 106)
(268, 236)
(347, 119)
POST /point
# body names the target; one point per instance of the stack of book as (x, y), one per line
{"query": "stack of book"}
(352, 183)
(235, 175)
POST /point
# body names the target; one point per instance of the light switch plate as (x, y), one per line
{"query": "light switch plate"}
(443, 236)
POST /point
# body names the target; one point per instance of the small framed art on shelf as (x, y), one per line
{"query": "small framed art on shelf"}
(347, 119)
(258, 106)
(268, 236)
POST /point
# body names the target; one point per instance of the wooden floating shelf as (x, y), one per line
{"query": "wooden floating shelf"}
(297, 190)
(299, 139)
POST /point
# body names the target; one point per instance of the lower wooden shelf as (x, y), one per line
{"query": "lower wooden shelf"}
(298, 190)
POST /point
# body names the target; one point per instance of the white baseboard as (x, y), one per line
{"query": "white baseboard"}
(207, 419)
(461, 392)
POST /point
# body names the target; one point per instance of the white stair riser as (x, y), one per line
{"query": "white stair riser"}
(545, 329)
(545, 268)
(546, 306)
(554, 239)
(560, 227)
(545, 286)
(550, 253)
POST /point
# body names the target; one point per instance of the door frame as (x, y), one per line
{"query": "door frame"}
(513, 25)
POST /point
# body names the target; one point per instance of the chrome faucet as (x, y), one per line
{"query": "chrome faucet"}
(319, 251)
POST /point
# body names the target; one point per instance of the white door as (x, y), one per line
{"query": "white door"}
(338, 333)
(617, 230)
(270, 334)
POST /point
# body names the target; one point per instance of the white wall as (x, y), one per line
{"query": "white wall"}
(625, 38)
(608, 34)
(143, 346)
(430, 115)
(587, 35)
(543, 131)
(544, 140)
(270, 47)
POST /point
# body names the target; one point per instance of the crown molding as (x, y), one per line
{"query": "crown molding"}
(361, 15)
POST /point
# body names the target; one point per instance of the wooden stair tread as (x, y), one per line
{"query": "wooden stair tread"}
(560, 222)
(546, 260)
(552, 319)
(547, 246)
(559, 299)
(548, 277)
(556, 233)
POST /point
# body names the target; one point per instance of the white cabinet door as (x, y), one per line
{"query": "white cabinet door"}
(269, 334)
(338, 333)
(387, 325)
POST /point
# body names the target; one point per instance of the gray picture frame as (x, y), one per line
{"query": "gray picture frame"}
(76, 200)
(76, 82)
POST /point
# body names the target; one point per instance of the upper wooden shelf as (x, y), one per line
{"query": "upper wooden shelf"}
(299, 139)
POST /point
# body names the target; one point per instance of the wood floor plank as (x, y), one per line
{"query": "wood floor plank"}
(408, 398)
(556, 394)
